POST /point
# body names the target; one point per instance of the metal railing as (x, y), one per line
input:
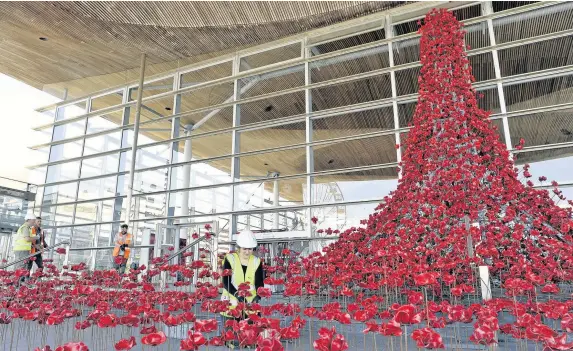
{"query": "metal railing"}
(98, 248)
(51, 248)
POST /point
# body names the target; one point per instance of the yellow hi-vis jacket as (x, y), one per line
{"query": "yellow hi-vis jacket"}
(239, 277)
(20, 242)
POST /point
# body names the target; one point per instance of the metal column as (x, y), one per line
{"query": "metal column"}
(309, 151)
(135, 137)
(389, 30)
(121, 163)
(170, 198)
(235, 146)
(276, 201)
(184, 211)
(487, 9)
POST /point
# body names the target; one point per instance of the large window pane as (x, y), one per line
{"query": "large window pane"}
(355, 153)
(103, 122)
(488, 100)
(96, 166)
(407, 81)
(370, 89)
(406, 51)
(545, 92)
(536, 56)
(271, 82)
(216, 119)
(71, 111)
(287, 220)
(94, 212)
(206, 74)
(153, 88)
(260, 139)
(97, 188)
(272, 108)
(292, 191)
(65, 151)
(354, 186)
(102, 143)
(344, 43)
(554, 164)
(349, 64)
(204, 201)
(533, 23)
(285, 162)
(152, 156)
(108, 100)
(354, 123)
(271, 56)
(477, 35)
(205, 97)
(202, 173)
(69, 130)
(482, 66)
(542, 128)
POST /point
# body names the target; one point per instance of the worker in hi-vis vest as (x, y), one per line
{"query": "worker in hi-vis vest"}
(246, 268)
(22, 244)
(123, 241)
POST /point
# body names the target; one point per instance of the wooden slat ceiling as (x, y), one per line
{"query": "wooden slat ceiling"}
(95, 45)
(94, 38)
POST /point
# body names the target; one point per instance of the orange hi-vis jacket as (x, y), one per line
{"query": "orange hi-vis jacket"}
(33, 232)
(120, 240)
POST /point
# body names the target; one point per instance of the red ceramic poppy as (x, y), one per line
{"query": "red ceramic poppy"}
(154, 339)
(125, 344)
(269, 344)
(427, 338)
(264, 292)
(206, 325)
(193, 341)
(73, 346)
(329, 340)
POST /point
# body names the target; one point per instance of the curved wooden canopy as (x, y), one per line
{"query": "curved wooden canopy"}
(90, 46)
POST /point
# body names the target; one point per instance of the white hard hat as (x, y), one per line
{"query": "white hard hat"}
(30, 216)
(246, 239)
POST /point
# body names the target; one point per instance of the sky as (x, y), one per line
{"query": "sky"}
(18, 102)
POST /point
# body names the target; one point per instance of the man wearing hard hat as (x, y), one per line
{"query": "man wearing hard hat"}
(246, 268)
(22, 244)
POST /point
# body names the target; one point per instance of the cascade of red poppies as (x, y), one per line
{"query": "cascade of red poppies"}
(456, 171)
(407, 272)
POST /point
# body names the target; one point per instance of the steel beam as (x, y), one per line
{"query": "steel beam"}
(135, 137)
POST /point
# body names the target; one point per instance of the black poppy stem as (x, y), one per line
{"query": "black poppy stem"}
(11, 334)
(374, 337)
(406, 336)
(426, 304)
(310, 334)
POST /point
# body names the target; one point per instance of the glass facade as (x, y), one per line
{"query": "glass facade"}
(307, 127)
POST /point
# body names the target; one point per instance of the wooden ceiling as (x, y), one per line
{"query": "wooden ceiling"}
(95, 45)
(97, 38)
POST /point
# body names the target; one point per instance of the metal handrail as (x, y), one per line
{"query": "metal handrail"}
(188, 246)
(9, 264)
(281, 240)
(109, 247)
